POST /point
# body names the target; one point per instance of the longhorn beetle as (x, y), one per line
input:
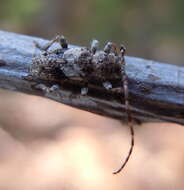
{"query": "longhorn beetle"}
(84, 65)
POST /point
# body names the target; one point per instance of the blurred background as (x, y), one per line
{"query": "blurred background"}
(49, 146)
(151, 29)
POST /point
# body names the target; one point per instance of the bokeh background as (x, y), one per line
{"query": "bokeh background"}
(49, 146)
(151, 29)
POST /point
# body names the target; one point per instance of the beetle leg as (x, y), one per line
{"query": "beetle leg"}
(59, 39)
(45, 88)
(108, 47)
(107, 85)
(122, 50)
(84, 91)
(94, 46)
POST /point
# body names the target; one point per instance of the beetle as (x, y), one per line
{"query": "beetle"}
(86, 65)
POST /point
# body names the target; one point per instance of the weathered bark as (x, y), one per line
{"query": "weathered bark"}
(156, 89)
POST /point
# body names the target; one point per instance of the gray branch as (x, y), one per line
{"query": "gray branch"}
(156, 89)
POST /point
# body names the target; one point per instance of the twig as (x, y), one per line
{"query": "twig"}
(156, 89)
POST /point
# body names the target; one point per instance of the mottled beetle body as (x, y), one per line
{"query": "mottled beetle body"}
(84, 65)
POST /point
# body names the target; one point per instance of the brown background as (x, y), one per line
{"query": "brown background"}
(47, 145)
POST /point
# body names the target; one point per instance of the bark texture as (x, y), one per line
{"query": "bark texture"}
(156, 90)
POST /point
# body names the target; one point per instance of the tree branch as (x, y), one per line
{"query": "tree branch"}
(156, 89)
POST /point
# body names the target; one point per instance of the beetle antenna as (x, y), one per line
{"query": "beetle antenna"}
(128, 111)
